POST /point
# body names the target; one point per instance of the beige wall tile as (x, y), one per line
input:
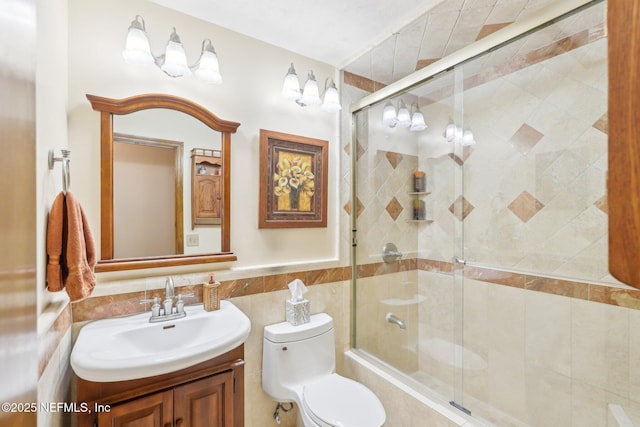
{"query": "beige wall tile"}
(548, 332)
(600, 346)
(634, 356)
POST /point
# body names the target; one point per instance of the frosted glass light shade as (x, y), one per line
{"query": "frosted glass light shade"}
(453, 132)
(417, 122)
(208, 68)
(291, 85)
(175, 60)
(468, 139)
(137, 50)
(310, 93)
(404, 118)
(389, 117)
(331, 102)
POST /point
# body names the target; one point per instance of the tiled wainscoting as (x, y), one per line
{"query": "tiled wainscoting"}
(532, 310)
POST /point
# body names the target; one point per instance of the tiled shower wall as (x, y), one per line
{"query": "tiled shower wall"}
(534, 194)
(552, 346)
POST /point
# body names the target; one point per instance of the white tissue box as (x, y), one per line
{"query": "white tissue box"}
(298, 313)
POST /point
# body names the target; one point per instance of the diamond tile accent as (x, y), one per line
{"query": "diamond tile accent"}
(602, 124)
(490, 28)
(359, 207)
(525, 206)
(359, 150)
(394, 158)
(461, 208)
(424, 62)
(525, 138)
(602, 204)
(466, 152)
(394, 208)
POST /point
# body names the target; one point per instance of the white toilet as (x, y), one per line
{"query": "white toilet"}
(298, 365)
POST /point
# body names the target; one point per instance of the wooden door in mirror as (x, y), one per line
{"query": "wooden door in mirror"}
(623, 183)
(109, 108)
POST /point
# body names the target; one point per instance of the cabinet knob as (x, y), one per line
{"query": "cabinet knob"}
(179, 422)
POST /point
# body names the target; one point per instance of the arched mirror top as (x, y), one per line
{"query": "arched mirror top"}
(170, 102)
(109, 258)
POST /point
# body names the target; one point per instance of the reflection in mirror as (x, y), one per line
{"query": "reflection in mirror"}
(192, 134)
(147, 197)
(147, 146)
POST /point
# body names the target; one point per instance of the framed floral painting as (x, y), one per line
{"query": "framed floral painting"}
(293, 181)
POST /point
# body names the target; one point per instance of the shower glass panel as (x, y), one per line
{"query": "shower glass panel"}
(404, 185)
(483, 301)
(534, 180)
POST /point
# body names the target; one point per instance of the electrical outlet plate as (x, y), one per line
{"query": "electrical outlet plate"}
(193, 240)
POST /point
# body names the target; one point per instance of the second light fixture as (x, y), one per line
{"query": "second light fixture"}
(402, 117)
(310, 94)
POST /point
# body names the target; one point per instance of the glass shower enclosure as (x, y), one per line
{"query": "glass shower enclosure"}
(477, 288)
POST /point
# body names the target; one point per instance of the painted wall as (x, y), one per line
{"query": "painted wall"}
(250, 94)
(54, 320)
(79, 52)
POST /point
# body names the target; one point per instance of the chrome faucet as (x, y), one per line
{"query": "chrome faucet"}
(169, 288)
(169, 293)
(392, 318)
(167, 311)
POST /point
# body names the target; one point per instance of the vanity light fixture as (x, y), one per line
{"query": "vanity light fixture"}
(310, 94)
(456, 133)
(174, 60)
(403, 118)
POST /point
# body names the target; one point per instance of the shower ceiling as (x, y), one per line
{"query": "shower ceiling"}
(377, 39)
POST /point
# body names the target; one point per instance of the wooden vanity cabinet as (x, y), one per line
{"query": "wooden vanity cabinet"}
(206, 187)
(208, 394)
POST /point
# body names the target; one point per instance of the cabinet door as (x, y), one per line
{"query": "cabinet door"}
(207, 199)
(154, 410)
(205, 403)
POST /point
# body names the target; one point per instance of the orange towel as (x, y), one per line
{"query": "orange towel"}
(80, 253)
(71, 249)
(56, 236)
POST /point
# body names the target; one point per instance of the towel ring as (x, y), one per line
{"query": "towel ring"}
(66, 174)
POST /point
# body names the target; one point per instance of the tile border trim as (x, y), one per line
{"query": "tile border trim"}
(129, 303)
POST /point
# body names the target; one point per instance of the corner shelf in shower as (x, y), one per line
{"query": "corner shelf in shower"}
(397, 302)
(417, 195)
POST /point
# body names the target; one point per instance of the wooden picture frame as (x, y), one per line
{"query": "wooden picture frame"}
(293, 181)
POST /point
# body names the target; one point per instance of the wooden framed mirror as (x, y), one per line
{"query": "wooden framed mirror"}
(222, 129)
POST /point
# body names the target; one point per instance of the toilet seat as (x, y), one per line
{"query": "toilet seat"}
(336, 401)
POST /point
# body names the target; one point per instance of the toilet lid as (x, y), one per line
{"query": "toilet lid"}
(340, 402)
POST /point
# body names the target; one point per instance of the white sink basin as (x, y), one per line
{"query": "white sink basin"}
(127, 348)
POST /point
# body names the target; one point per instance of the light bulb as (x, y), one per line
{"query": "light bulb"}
(389, 117)
(175, 60)
(291, 85)
(208, 69)
(331, 101)
(404, 118)
(137, 50)
(310, 93)
(417, 122)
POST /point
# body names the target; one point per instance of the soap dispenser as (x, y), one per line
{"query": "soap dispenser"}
(210, 294)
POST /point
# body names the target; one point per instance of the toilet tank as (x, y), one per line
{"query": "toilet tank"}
(294, 355)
